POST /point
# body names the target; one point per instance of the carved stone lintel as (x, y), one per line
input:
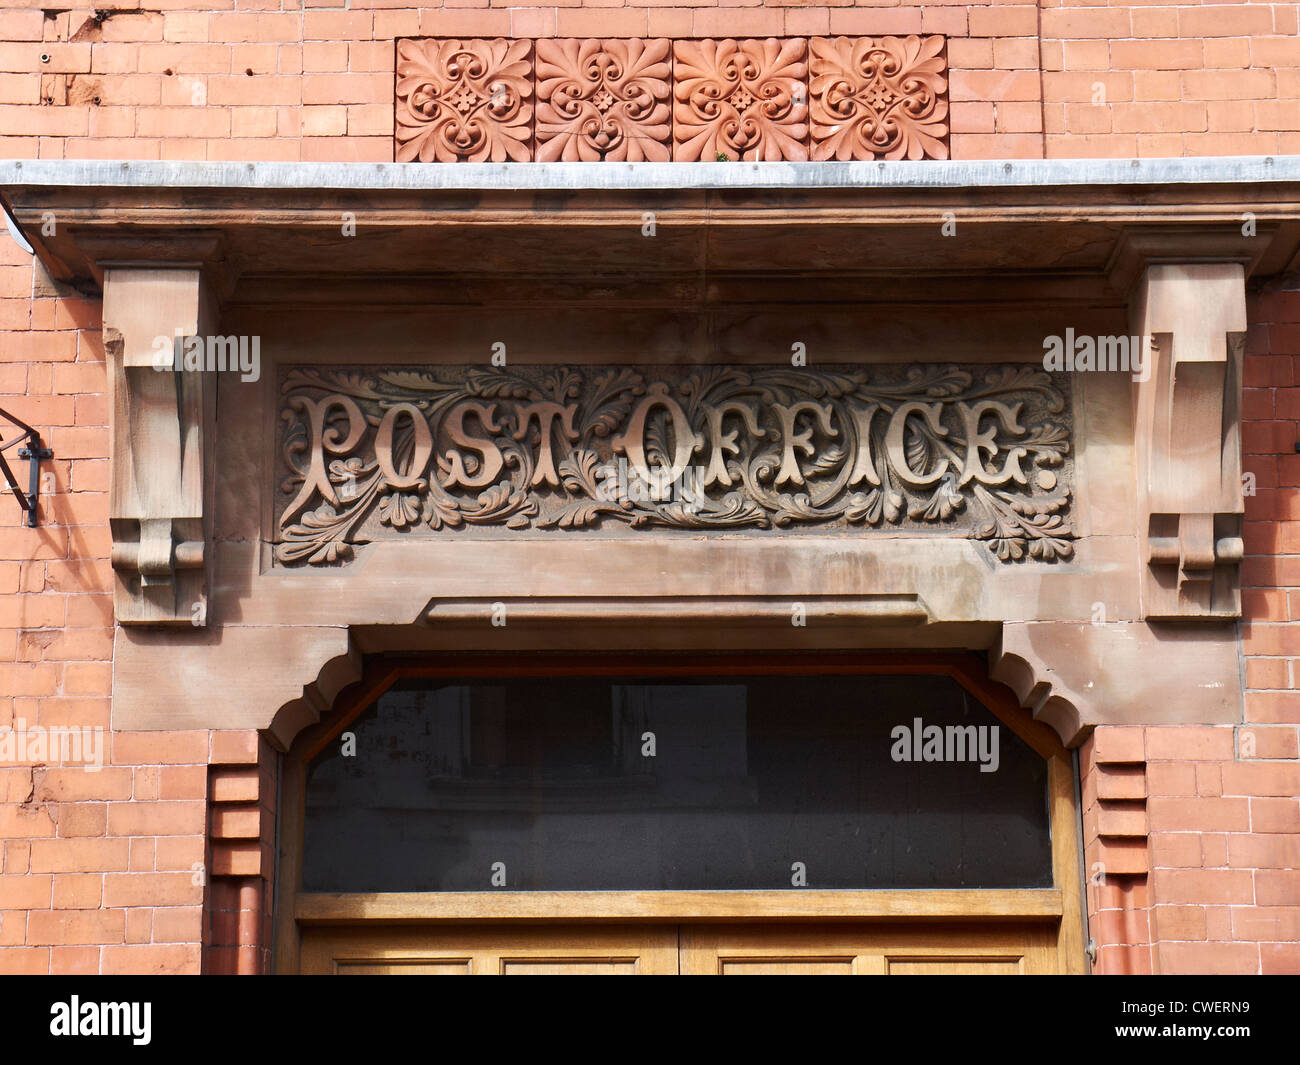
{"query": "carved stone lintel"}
(1188, 429)
(160, 418)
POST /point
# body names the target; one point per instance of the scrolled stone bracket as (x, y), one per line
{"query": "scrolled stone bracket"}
(1188, 439)
(161, 437)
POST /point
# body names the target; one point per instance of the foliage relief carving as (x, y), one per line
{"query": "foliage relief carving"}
(372, 454)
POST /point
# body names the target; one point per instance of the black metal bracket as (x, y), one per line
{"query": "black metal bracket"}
(34, 453)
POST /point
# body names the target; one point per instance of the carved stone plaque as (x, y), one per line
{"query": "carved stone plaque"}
(372, 454)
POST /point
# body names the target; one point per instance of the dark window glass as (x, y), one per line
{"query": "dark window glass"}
(564, 783)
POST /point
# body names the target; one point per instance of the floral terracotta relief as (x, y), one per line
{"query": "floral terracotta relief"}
(878, 99)
(603, 100)
(743, 100)
(464, 101)
(638, 100)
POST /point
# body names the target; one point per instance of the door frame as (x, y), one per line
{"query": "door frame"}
(1061, 903)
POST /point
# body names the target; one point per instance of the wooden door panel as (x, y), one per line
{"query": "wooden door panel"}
(508, 950)
(868, 949)
(990, 966)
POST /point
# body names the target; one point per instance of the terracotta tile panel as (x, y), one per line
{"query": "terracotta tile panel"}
(603, 100)
(740, 100)
(878, 98)
(464, 101)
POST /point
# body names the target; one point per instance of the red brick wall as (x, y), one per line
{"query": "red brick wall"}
(1198, 843)
(1220, 892)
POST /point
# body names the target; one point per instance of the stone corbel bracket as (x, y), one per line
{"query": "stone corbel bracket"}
(1074, 676)
(161, 437)
(1188, 439)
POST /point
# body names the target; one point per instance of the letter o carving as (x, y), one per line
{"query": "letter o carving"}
(420, 454)
(632, 442)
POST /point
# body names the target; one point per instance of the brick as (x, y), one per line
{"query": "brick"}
(75, 927)
(181, 924)
(1121, 783)
(1074, 23)
(81, 785)
(151, 889)
(1178, 922)
(236, 822)
(1170, 778)
(610, 22)
(993, 85)
(1185, 743)
(1272, 851)
(1207, 958)
(1279, 959)
(1128, 819)
(235, 785)
(152, 959)
(78, 891)
(1268, 741)
(1124, 958)
(240, 859)
(1005, 21)
(160, 748)
(1268, 672)
(1157, 55)
(143, 850)
(1237, 20)
(74, 961)
(1261, 778)
(1277, 887)
(1275, 815)
(82, 819)
(1226, 886)
(1200, 814)
(139, 925)
(182, 782)
(1228, 84)
(24, 961)
(174, 818)
(25, 892)
(1119, 857)
(179, 852)
(79, 855)
(1112, 744)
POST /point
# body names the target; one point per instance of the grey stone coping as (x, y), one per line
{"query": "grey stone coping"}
(647, 176)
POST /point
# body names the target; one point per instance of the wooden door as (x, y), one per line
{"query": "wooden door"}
(689, 949)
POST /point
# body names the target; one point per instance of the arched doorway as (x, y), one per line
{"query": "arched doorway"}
(679, 814)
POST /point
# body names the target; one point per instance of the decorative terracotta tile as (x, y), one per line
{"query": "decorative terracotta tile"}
(603, 100)
(743, 100)
(878, 98)
(464, 101)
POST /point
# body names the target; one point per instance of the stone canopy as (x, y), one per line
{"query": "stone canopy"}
(375, 292)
